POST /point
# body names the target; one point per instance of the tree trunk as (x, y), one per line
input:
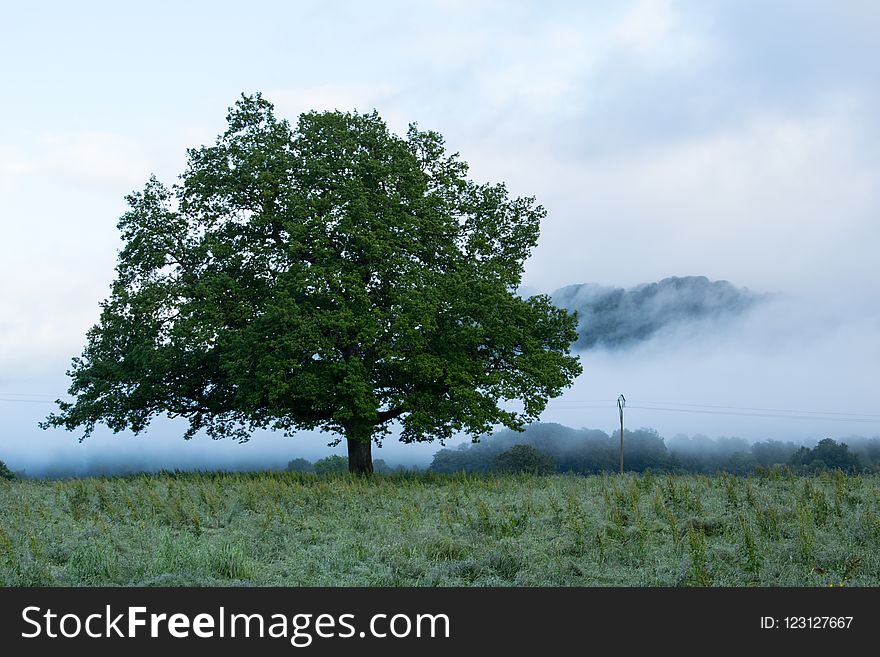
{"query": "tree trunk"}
(360, 456)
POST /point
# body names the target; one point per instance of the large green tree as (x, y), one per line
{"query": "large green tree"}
(331, 276)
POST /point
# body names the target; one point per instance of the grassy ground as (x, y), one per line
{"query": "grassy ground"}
(300, 530)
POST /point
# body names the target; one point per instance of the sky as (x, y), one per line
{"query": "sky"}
(734, 140)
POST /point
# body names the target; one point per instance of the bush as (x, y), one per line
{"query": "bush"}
(6, 473)
(331, 465)
(524, 458)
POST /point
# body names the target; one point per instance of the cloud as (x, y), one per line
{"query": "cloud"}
(655, 33)
(772, 205)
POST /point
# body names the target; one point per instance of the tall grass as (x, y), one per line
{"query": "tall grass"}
(292, 529)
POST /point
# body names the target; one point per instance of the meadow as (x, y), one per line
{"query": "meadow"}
(291, 529)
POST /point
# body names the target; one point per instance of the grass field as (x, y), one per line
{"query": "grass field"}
(289, 529)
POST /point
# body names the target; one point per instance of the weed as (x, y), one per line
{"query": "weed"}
(699, 562)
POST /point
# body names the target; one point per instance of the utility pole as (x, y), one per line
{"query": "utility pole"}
(621, 402)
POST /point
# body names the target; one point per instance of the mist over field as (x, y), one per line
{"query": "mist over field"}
(786, 353)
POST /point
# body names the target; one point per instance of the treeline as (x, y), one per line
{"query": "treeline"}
(546, 447)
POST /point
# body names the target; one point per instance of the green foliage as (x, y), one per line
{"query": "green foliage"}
(773, 452)
(329, 275)
(697, 547)
(524, 458)
(827, 455)
(334, 464)
(5, 472)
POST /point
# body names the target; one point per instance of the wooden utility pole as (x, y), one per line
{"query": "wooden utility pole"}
(621, 402)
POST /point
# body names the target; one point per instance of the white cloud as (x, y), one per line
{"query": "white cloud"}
(774, 203)
(646, 27)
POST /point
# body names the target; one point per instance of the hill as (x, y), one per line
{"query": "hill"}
(615, 317)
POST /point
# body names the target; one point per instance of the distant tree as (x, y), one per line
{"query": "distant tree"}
(300, 465)
(465, 458)
(6, 473)
(703, 454)
(773, 452)
(330, 276)
(334, 464)
(827, 454)
(380, 466)
(524, 458)
(404, 469)
(740, 463)
(644, 449)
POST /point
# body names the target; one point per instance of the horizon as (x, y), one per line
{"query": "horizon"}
(169, 460)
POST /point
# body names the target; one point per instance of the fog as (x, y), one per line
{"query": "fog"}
(789, 368)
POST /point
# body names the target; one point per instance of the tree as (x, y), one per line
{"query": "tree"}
(300, 465)
(773, 452)
(380, 466)
(827, 454)
(524, 458)
(330, 276)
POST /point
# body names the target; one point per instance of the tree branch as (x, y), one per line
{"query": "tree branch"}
(390, 414)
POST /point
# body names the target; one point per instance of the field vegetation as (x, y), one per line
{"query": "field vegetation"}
(300, 529)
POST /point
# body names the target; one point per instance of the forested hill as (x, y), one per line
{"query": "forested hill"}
(616, 317)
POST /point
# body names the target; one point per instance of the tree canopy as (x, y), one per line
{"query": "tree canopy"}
(329, 275)
(827, 454)
(524, 458)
